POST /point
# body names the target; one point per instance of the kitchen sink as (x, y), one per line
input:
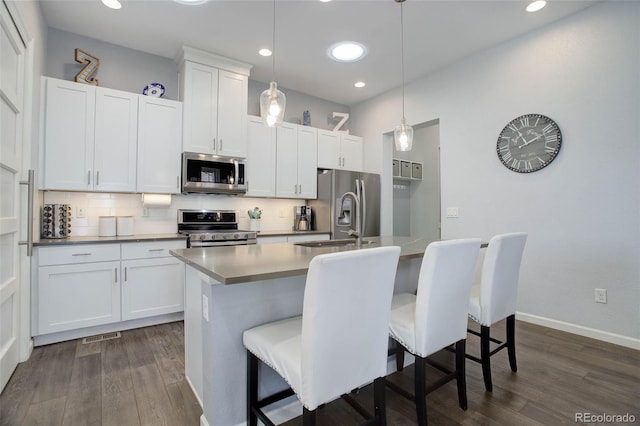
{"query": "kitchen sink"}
(333, 243)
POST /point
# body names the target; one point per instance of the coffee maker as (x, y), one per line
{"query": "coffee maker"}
(302, 218)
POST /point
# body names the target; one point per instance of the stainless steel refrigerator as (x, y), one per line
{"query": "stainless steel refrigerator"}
(332, 184)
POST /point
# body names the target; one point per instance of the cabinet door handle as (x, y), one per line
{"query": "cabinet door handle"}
(156, 249)
(81, 254)
(116, 273)
(98, 178)
(213, 147)
(125, 273)
(88, 177)
(220, 144)
(299, 188)
(178, 182)
(339, 161)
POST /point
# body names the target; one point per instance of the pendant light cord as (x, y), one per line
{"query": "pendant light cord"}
(401, 54)
(273, 45)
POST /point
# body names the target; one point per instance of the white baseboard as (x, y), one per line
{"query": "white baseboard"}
(193, 389)
(605, 336)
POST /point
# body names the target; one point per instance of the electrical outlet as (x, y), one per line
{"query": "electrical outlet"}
(600, 295)
(80, 212)
(205, 308)
(452, 212)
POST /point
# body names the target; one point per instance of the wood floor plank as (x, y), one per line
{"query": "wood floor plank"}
(116, 372)
(87, 349)
(167, 355)
(184, 404)
(18, 393)
(139, 350)
(54, 372)
(152, 399)
(46, 413)
(84, 398)
(120, 409)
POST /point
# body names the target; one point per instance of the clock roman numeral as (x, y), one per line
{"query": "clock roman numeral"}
(549, 149)
(527, 165)
(513, 127)
(547, 128)
(542, 162)
(507, 157)
(536, 123)
(524, 121)
(550, 139)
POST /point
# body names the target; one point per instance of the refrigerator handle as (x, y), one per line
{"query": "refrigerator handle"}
(363, 206)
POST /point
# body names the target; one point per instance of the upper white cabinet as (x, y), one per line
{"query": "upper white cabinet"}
(214, 90)
(261, 159)
(99, 139)
(296, 171)
(90, 136)
(337, 150)
(159, 135)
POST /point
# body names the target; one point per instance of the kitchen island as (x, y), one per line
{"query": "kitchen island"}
(234, 288)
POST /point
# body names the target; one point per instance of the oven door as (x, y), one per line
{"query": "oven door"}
(213, 174)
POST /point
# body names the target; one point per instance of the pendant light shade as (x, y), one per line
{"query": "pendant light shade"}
(403, 136)
(272, 100)
(403, 133)
(272, 103)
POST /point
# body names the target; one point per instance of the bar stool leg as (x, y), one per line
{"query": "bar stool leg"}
(511, 341)
(485, 357)
(420, 391)
(252, 388)
(399, 357)
(461, 377)
(308, 417)
(380, 410)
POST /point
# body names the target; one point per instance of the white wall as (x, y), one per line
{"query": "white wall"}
(582, 212)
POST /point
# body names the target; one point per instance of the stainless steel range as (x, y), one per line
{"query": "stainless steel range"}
(210, 228)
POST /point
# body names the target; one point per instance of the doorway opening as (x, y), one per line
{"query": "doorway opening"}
(416, 199)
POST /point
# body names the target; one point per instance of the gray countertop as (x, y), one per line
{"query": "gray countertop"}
(238, 264)
(52, 242)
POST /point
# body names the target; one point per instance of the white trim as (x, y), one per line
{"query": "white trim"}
(605, 336)
(211, 59)
(193, 389)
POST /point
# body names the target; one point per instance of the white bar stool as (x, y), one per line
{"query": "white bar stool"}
(436, 317)
(494, 299)
(340, 341)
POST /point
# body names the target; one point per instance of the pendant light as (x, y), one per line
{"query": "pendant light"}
(403, 133)
(272, 100)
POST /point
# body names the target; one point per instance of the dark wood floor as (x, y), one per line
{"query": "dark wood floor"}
(139, 380)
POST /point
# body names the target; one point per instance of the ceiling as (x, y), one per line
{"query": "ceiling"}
(437, 33)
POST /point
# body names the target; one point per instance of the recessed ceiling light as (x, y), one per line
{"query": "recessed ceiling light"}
(347, 51)
(536, 5)
(359, 84)
(325, 1)
(112, 4)
(191, 2)
(265, 52)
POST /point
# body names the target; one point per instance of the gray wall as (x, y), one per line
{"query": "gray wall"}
(120, 67)
(320, 109)
(582, 212)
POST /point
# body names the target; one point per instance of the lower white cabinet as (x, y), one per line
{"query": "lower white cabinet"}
(78, 295)
(87, 285)
(152, 287)
(291, 238)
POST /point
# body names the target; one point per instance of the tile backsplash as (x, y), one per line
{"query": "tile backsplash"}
(277, 214)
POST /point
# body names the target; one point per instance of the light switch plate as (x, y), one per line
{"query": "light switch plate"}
(205, 308)
(452, 212)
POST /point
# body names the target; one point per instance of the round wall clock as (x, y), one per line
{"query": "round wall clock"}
(529, 143)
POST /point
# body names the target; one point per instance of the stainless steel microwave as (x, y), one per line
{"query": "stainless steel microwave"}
(213, 174)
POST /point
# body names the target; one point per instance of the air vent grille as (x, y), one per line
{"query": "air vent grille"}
(101, 337)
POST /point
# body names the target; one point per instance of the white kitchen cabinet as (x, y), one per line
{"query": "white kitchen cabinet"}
(296, 160)
(152, 280)
(340, 151)
(261, 159)
(116, 139)
(214, 90)
(90, 136)
(291, 238)
(76, 287)
(159, 145)
(68, 134)
(271, 239)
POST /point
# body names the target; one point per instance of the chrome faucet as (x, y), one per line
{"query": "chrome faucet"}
(357, 233)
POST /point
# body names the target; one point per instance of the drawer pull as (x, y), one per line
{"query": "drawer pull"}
(156, 249)
(81, 254)
(125, 273)
(116, 273)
